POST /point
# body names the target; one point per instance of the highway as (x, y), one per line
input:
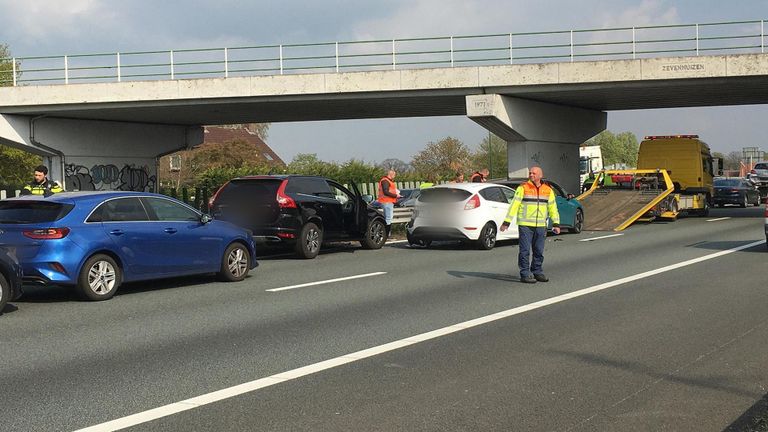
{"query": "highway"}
(663, 327)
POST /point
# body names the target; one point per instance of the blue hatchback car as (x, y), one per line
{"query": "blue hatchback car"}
(97, 240)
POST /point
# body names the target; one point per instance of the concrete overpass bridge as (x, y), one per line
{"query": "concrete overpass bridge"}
(543, 110)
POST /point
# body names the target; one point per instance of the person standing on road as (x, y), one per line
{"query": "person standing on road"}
(479, 176)
(388, 195)
(40, 185)
(533, 203)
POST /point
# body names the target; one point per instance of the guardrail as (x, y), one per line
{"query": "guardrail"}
(394, 54)
(402, 215)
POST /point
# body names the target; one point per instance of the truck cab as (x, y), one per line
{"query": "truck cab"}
(686, 158)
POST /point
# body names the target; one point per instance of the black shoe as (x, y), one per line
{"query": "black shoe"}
(541, 278)
(528, 279)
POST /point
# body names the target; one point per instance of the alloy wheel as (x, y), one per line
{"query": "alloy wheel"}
(101, 277)
(237, 262)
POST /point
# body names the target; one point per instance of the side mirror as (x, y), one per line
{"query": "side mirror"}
(205, 218)
(367, 198)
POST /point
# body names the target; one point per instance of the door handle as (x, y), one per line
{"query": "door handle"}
(116, 232)
(170, 230)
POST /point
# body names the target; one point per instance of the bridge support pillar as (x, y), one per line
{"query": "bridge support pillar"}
(538, 133)
(98, 155)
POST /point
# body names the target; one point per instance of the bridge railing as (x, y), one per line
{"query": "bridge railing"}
(391, 54)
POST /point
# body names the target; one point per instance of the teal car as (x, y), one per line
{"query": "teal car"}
(570, 209)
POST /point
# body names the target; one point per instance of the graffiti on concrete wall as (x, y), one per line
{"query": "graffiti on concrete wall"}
(109, 177)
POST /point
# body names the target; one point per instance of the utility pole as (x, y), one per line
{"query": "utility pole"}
(490, 156)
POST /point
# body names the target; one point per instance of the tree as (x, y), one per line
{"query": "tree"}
(6, 66)
(260, 129)
(441, 159)
(619, 148)
(496, 162)
(395, 164)
(732, 161)
(16, 166)
(309, 164)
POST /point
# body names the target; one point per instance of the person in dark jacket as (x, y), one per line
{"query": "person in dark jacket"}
(41, 185)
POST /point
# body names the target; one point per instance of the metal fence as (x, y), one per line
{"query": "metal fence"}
(391, 54)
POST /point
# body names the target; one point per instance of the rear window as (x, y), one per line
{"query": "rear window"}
(24, 212)
(309, 186)
(246, 190)
(443, 195)
(727, 182)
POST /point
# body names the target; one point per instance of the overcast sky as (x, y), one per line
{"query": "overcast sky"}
(55, 27)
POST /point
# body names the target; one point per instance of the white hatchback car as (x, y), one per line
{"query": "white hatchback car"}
(470, 212)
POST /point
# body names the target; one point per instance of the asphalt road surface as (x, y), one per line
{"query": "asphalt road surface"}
(663, 327)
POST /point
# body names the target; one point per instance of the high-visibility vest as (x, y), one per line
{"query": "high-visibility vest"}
(392, 189)
(45, 188)
(533, 205)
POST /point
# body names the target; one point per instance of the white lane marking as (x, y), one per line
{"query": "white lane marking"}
(718, 219)
(603, 237)
(216, 396)
(325, 281)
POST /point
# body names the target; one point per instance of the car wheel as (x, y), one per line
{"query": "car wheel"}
(578, 222)
(414, 241)
(235, 263)
(375, 235)
(99, 278)
(487, 238)
(5, 292)
(310, 239)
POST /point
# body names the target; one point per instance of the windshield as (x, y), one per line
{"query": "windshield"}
(761, 166)
(727, 183)
(443, 195)
(24, 212)
(583, 166)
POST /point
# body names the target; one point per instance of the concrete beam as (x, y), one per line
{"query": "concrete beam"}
(514, 119)
(538, 133)
(95, 155)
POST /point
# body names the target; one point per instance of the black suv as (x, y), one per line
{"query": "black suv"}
(302, 211)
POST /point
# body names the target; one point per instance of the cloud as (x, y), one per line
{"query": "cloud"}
(46, 19)
(648, 12)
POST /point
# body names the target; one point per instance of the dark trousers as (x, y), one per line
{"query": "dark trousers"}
(531, 237)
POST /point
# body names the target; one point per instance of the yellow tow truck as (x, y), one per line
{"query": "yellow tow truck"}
(674, 175)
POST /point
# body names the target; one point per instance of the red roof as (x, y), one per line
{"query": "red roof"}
(219, 135)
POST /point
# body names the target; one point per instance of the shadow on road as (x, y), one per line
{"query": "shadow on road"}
(712, 382)
(494, 276)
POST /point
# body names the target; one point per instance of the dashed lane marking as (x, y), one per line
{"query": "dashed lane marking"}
(602, 237)
(325, 281)
(718, 219)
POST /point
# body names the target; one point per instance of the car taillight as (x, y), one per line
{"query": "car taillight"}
(734, 190)
(212, 200)
(752, 172)
(283, 200)
(473, 202)
(46, 233)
